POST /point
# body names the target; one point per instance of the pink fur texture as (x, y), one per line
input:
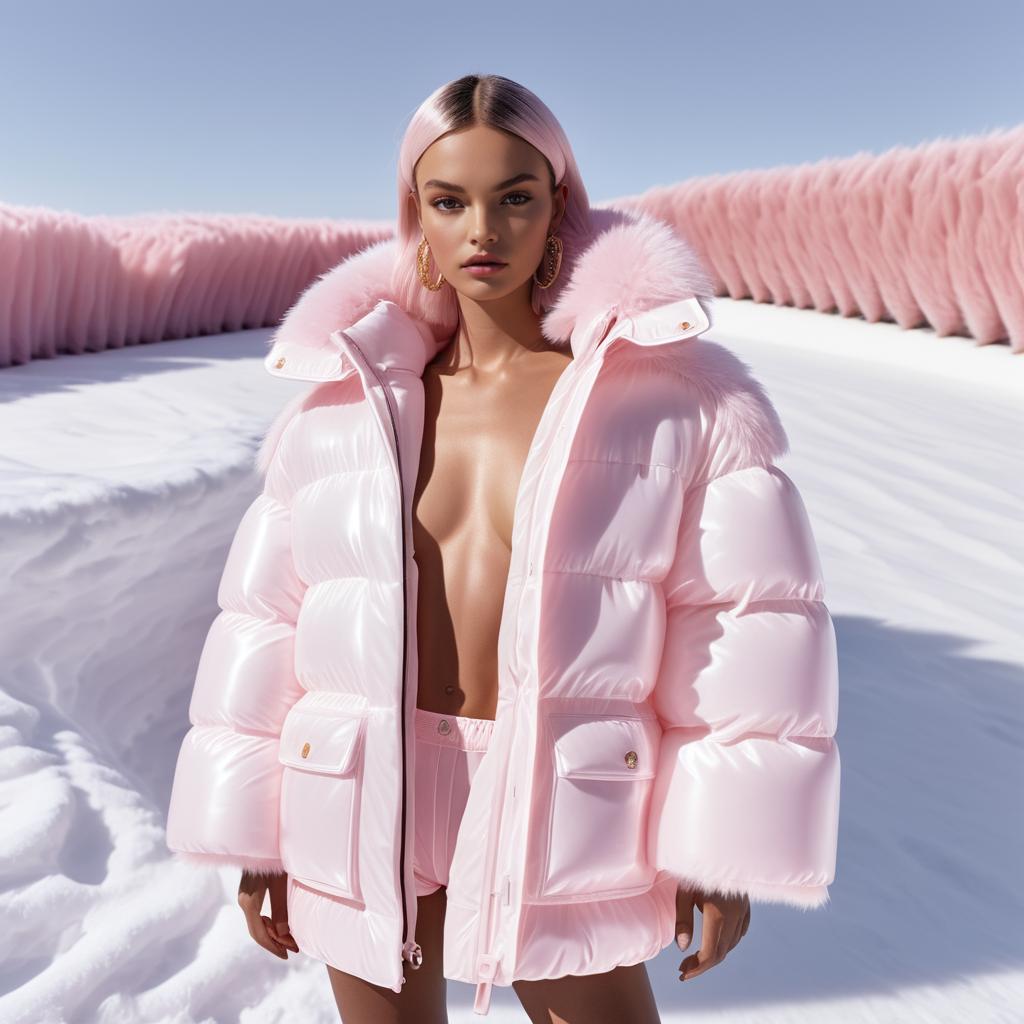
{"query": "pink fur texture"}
(74, 284)
(253, 865)
(633, 263)
(923, 235)
(803, 897)
(746, 429)
(928, 235)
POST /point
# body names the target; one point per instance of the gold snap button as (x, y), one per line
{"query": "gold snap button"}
(444, 727)
(632, 760)
(279, 363)
(684, 325)
(305, 750)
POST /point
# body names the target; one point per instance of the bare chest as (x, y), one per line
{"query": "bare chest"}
(476, 440)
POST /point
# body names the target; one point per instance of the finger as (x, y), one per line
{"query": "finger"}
(739, 912)
(279, 911)
(684, 919)
(259, 932)
(711, 934)
(251, 901)
(268, 940)
(741, 925)
(730, 934)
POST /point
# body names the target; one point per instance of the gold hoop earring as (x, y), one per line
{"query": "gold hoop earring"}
(552, 261)
(423, 267)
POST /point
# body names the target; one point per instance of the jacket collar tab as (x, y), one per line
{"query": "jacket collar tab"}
(673, 321)
(387, 335)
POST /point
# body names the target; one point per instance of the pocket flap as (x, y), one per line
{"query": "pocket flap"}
(320, 740)
(612, 748)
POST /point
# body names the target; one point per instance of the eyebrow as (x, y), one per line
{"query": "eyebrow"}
(525, 176)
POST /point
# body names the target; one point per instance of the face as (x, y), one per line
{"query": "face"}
(484, 191)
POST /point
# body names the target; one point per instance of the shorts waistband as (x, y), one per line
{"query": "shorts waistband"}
(453, 730)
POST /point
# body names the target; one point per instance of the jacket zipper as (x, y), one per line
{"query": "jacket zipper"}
(411, 950)
(487, 962)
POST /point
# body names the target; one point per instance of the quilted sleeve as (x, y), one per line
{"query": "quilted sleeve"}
(746, 794)
(224, 799)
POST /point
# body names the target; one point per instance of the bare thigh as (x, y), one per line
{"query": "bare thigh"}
(618, 995)
(423, 999)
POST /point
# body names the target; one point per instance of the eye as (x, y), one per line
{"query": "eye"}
(443, 199)
(522, 197)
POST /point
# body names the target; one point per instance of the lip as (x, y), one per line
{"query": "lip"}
(482, 258)
(484, 269)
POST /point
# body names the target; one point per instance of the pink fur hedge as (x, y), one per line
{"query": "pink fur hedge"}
(922, 235)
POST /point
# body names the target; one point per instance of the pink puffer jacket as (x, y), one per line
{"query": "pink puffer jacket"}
(668, 673)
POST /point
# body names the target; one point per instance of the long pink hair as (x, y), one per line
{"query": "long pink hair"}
(502, 104)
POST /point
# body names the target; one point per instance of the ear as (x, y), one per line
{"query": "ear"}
(560, 201)
(414, 201)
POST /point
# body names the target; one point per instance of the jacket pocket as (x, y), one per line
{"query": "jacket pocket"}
(321, 749)
(602, 778)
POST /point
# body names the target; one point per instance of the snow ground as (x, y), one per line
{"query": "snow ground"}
(122, 477)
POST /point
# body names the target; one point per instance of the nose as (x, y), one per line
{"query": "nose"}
(483, 232)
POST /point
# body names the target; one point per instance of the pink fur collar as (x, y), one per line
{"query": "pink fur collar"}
(634, 263)
(631, 263)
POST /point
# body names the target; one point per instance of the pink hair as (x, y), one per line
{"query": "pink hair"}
(503, 104)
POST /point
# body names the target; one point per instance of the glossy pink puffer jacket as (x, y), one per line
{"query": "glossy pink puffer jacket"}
(668, 674)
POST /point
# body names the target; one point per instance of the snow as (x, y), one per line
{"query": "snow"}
(122, 477)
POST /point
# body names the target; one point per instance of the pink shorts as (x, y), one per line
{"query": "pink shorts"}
(449, 749)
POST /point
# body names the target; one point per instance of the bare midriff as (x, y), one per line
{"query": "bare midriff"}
(477, 432)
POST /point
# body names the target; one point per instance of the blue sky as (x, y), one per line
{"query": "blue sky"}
(297, 109)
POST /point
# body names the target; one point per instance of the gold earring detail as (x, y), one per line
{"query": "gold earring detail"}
(552, 261)
(423, 267)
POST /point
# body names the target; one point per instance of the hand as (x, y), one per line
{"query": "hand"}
(272, 933)
(725, 922)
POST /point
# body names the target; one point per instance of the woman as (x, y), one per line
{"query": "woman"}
(522, 653)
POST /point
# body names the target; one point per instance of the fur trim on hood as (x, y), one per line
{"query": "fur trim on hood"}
(633, 264)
